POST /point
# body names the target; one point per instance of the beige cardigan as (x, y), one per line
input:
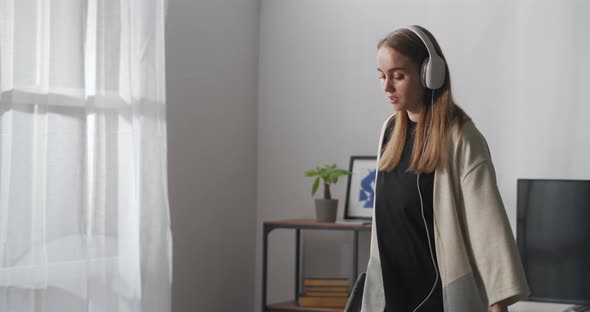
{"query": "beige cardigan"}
(477, 256)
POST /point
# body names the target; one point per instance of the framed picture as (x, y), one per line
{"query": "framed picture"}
(360, 191)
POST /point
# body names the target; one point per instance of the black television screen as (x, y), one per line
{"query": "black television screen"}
(553, 237)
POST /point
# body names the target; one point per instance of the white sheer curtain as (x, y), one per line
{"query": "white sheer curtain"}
(84, 216)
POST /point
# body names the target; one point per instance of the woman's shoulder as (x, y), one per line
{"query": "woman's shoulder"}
(466, 132)
(388, 125)
(389, 122)
(469, 144)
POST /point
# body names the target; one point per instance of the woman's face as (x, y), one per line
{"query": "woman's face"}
(400, 80)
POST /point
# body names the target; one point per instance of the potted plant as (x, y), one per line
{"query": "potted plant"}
(326, 208)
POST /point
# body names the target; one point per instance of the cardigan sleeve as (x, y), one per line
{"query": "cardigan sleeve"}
(488, 233)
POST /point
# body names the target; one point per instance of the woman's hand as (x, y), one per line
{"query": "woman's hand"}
(498, 307)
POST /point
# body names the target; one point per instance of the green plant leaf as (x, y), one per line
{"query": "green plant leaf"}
(316, 184)
(311, 173)
(333, 177)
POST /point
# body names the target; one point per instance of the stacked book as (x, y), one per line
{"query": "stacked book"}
(325, 292)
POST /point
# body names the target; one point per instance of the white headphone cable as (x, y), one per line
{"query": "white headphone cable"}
(424, 219)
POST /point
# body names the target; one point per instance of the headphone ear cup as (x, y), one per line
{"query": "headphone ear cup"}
(432, 73)
(423, 71)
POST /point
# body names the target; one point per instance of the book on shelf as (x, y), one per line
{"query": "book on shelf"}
(326, 282)
(323, 302)
(336, 289)
(325, 294)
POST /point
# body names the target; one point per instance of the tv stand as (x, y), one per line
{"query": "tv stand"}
(578, 308)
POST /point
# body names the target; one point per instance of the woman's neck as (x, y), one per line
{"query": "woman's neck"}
(414, 116)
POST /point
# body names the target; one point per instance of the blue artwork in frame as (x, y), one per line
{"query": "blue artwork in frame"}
(360, 190)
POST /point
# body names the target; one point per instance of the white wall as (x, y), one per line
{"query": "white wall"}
(212, 52)
(518, 68)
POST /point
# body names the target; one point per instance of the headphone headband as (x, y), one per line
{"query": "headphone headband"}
(434, 68)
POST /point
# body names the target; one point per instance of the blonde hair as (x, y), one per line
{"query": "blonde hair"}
(438, 117)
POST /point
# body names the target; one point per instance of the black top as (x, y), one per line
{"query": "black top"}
(406, 261)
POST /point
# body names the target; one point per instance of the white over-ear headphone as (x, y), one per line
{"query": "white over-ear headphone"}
(433, 69)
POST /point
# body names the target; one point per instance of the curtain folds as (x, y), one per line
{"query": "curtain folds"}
(84, 215)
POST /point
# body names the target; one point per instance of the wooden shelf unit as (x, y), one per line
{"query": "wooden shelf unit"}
(298, 225)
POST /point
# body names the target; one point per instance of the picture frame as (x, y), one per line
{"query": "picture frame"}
(360, 189)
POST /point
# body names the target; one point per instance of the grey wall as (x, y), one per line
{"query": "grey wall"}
(212, 52)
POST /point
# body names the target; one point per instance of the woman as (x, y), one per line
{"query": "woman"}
(441, 239)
